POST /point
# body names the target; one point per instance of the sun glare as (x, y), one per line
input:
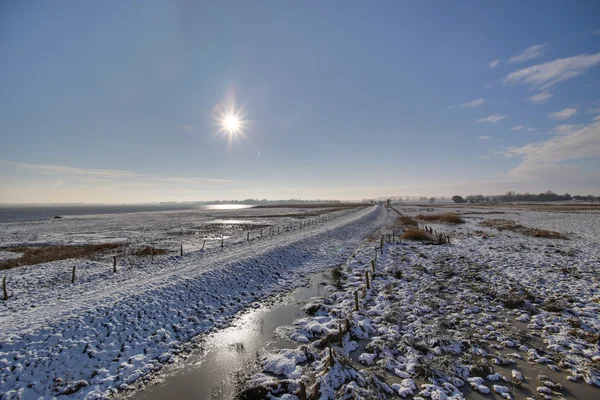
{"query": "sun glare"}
(231, 124)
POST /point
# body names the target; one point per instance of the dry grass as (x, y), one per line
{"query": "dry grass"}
(546, 234)
(41, 254)
(447, 218)
(407, 221)
(148, 251)
(510, 225)
(416, 234)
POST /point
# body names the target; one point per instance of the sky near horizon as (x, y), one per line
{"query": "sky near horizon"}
(119, 101)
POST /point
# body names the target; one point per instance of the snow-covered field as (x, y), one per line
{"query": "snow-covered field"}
(507, 315)
(105, 331)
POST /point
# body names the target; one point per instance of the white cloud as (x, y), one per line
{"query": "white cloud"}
(494, 63)
(566, 128)
(492, 118)
(541, 98)
(471, 104)
(530, 129)
(484, 137)
(547, 158)
(517, 128)
(530, 53)
(550, 73)
(563, 114)
(484, 157)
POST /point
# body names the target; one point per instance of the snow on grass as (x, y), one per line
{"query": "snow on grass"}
(461, 312)
(107, 330)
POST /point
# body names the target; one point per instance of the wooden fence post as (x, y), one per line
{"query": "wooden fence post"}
(367, 279)
(151, 255)
(248, 236)
(181, 250)
(4, 289)
(73, 275)
(331, 359)
(373, 265)
(115, 264)
(356, 300)
(260, 232)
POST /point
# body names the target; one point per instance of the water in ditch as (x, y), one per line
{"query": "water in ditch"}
(213, 372)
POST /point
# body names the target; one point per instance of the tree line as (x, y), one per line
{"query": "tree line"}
(514, 196)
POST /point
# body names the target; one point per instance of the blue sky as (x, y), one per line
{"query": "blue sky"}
(119, 101)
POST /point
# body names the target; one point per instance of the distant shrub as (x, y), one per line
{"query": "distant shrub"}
(147, 251)
(42, 254)
(502, 224)
(447, 218)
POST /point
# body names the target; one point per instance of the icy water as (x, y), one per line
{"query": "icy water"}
(212, 373)
(42, 213)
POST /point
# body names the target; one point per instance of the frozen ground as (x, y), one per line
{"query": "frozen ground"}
(166, 229)
(507, 316)
(107, 330)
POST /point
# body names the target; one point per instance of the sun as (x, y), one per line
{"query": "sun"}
(231, 124)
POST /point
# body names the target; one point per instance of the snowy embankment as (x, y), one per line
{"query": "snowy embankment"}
(108, 330)
(505, 314)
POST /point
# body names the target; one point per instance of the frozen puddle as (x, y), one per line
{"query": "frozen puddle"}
(215, 371)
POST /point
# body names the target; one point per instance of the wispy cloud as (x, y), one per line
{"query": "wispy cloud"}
(48, 169)
(531, 129)
(470, 104)
(517, 128)
(194, 181)
(494, 63)
(484, 137)
(547, 158)
(550, 73)
(106, 175)
(541, 98)
(484, 157)
(593, 110)
(529, 53)
(563, 114)
(492, 118)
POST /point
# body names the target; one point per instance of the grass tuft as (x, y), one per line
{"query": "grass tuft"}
(416, 234)
(407, 221)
